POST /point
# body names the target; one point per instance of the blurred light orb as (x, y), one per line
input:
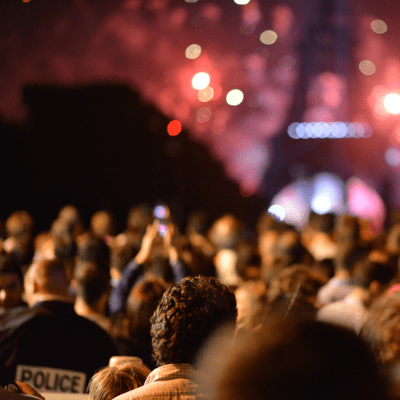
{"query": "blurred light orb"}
(392, 157)
(203, 115)
(201, 80)
(379, 26)
(193, 51)
(268, 37)
(234, 97)
(367, 67)
(277, 211)
(392, 103)
(191, 1)
(242, 2)
(174, 128)
(206, 94)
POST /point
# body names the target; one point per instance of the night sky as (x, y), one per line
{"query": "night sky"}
(142, 44)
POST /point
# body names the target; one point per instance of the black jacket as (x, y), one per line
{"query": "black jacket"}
(51, 334)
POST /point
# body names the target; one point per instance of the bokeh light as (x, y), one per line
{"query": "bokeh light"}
(193, 51)
(201, 80)
(277, 211)
(379, 26)
(268, 37)
(392, 103)
(206, 94)
(234, 97)
(367, 67)
(242, 2)
(203, 114)
(392, 157)
(174, 128)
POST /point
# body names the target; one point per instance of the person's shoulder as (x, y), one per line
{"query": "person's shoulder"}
(15, 317)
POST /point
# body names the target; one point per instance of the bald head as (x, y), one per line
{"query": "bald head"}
(45, 277)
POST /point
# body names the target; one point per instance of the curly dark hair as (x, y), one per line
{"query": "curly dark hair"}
(185, 317)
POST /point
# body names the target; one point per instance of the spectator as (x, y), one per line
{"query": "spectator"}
(92, 249)
(371, 279)
(296, 278)
(92, 288)
(136, 270)
(140, 306)
(102, 225)
(48, 339)
(341, 284)
(11, 283)
(307, 360)
(19, 228)
(110, 382)
(184, 319)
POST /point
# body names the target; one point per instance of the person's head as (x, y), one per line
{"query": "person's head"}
(63, 242)
(198, 223)
(374, 276)
(91, 283)
(186, 316)
(11, 282)
(297, 278)
(348, 255)
(347, 229)
(69, 215)
(381, 331)
(139, 218)
(141, 304)
(45, 277)
(290, 250)
(307, 360)
(226, 232)
(92, 249)
(102, 224)
(122, 250)
(110, 382)
(19, 225)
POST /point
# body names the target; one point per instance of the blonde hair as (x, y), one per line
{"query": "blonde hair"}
(110, 382)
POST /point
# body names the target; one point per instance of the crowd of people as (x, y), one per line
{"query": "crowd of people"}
(216, 310)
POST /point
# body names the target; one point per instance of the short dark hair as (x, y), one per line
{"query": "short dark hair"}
(141, 304)
(185, 317)
(92, 282)
(92, 249)
(369, 271)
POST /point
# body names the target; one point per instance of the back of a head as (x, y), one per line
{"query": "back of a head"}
(289, 249)
(307, 360)
(19, 224)
(185, 317)
(102, 224)
(198, 222)
(347, 229)
(139, 217)
(381, 330)
(225, 233)
(92, 282)
(110, 382)
(49, 277)
(297, 278)
(369, 271)
(348, 255)
(90, 248)
(141, 304)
